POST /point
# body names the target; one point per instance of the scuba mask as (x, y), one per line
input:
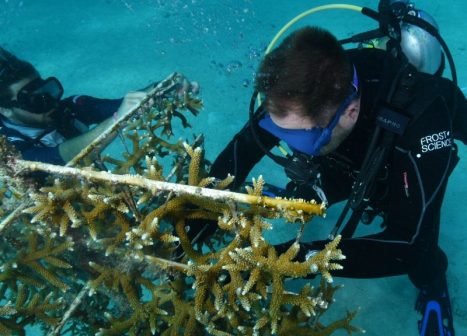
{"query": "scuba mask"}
(39, 96)
(310, 141)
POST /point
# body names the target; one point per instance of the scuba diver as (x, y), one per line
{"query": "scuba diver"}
(43, 126)
(373, 127)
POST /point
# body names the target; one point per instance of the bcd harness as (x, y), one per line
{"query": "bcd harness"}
(397, 107)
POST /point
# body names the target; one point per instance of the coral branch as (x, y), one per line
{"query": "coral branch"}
(300, 206)
(166, 85)
(66, 316)
(159, 258)
(12, 216)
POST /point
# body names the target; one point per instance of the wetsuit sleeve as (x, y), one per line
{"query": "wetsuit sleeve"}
(41, 154)
(242, 154)
(44, 154)
(90, 110)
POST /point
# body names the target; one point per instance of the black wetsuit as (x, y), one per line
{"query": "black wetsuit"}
(85, 109)
(411, 183)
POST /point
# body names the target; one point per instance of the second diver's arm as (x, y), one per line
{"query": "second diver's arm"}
(70, 148)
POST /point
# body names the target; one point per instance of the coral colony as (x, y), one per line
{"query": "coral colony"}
(101, 247)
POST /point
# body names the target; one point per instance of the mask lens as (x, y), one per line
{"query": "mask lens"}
(40, 96)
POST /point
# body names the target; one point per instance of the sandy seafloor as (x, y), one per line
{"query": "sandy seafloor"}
(108, 47)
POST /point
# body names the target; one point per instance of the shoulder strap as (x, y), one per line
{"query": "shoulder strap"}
(396, 93)
(402, 100)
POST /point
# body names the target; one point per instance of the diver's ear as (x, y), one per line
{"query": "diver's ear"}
(350, 115)
(353, 110)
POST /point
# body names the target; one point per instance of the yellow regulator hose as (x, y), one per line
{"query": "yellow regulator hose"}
(308, 13)
(303, 15)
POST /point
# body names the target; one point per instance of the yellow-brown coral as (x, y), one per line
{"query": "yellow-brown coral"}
(120, 237)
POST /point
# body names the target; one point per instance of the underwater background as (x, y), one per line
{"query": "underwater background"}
(106, 48)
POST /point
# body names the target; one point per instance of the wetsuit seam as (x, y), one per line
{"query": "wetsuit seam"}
(422, 189)
(423, 210)
(235, 157)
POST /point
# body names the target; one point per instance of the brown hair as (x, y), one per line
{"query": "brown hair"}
(12, 70)
(309, 68)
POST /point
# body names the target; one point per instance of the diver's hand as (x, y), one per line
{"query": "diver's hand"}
(131, 100)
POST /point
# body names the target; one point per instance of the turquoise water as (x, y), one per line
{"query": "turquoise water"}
(106, 48)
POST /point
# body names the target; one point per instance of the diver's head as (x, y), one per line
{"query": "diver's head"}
(13, 70)
(310, 88)
(309, 68)
(26, 98)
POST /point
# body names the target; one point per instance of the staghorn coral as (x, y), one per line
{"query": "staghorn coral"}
(54, 205)
(12, 190)
(144, 315)
(27, 305)
(37, 263)
(123, 231)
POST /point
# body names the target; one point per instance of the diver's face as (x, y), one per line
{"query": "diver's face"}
(23, 117)
(295, 119)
